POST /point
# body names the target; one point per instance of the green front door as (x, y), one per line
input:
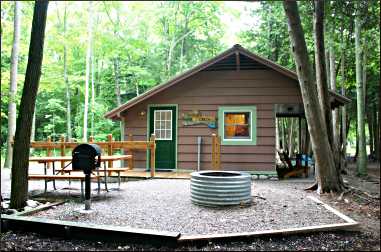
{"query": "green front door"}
(163, 125)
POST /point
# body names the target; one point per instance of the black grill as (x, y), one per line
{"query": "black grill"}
(86, 158)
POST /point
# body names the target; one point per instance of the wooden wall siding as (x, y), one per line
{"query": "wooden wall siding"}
(206, 91)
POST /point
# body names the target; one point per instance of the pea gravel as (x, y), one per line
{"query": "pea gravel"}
(162, 204)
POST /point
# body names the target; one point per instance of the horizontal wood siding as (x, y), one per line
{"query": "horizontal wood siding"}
(205, 92)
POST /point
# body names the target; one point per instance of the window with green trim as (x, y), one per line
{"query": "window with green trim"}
(237, 125)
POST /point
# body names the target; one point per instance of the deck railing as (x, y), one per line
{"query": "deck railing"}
(110, 146)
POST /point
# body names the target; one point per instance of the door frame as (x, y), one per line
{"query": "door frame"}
(149, 106)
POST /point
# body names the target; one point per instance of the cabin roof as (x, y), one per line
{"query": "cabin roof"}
(236, 57)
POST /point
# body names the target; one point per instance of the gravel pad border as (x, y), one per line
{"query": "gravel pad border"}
(147, 204)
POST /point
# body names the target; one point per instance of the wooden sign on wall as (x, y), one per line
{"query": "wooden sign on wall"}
(195, 118)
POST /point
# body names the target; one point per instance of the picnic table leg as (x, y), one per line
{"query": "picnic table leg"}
(118, 180)
(46, 181)
(99, 181)
(54, 181)
(105, 171)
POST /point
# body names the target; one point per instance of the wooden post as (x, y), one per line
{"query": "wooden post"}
(218, 152)
(48, 149)
(213, 151)
(91, 139)
(109, 149)
(152, 155)
(131, 152)
(62, 152)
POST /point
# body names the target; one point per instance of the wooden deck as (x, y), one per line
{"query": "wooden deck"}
(142, 173)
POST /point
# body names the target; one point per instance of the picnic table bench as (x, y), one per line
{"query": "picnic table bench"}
(69, 177)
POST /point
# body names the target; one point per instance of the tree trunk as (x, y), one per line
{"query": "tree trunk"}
(92, 93)
(67, 85)
(117, 92)
(343, 110)
(335, 112)
(290, 136)
(327, 176)
(88, 58)
(376, 130)
(362, 157)
(322, 69)
(20, 164)
(117, 83)
(13, 84)
(370, 129)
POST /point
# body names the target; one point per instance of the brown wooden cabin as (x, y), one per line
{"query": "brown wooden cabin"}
(236, 95)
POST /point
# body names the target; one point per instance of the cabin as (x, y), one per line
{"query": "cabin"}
(236, 95)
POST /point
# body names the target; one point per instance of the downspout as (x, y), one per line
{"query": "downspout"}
(198, 152)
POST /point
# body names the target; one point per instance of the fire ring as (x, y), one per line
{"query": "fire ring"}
(220, 188)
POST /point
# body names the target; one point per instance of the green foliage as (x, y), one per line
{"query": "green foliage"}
(136, 34)
(270, 39)
(154, 41)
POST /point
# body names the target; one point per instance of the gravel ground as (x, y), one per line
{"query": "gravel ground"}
(358, 206)
(163, 204)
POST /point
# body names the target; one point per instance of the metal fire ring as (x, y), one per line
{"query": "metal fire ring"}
(220, 188)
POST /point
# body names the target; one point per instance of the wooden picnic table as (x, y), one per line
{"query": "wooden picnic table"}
(104, 159)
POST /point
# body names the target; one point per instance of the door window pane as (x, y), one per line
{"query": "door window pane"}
(163, 124)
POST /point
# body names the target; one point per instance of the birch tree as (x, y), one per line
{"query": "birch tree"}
(66, 79)
(13, 84)
(88, 59)
(362, 156)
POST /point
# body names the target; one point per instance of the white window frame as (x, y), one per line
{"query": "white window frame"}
(154, 124)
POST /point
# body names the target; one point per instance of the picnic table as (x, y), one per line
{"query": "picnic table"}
(60, 174)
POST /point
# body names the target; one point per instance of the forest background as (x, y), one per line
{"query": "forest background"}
(121, 49)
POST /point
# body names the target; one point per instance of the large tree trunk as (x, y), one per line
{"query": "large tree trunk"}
(88, 58)
(327, 176)
(67, 85)
(362, 157)
(322, 69)
(335, 112)
(343, 110)
(13, 85)
(20, 165)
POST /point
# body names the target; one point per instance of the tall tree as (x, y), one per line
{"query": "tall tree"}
(20, 164)
(344, 108)
(88, 59)
(362, 157)
(335, 112)
(327, 176)
(66, 79)
(13, 84)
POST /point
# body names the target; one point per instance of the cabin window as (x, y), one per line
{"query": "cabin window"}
(237, 125)
(163, 124)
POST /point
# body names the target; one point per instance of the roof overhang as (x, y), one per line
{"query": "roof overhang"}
(115, 114)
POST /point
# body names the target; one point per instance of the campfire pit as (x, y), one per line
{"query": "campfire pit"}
(220, 188)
